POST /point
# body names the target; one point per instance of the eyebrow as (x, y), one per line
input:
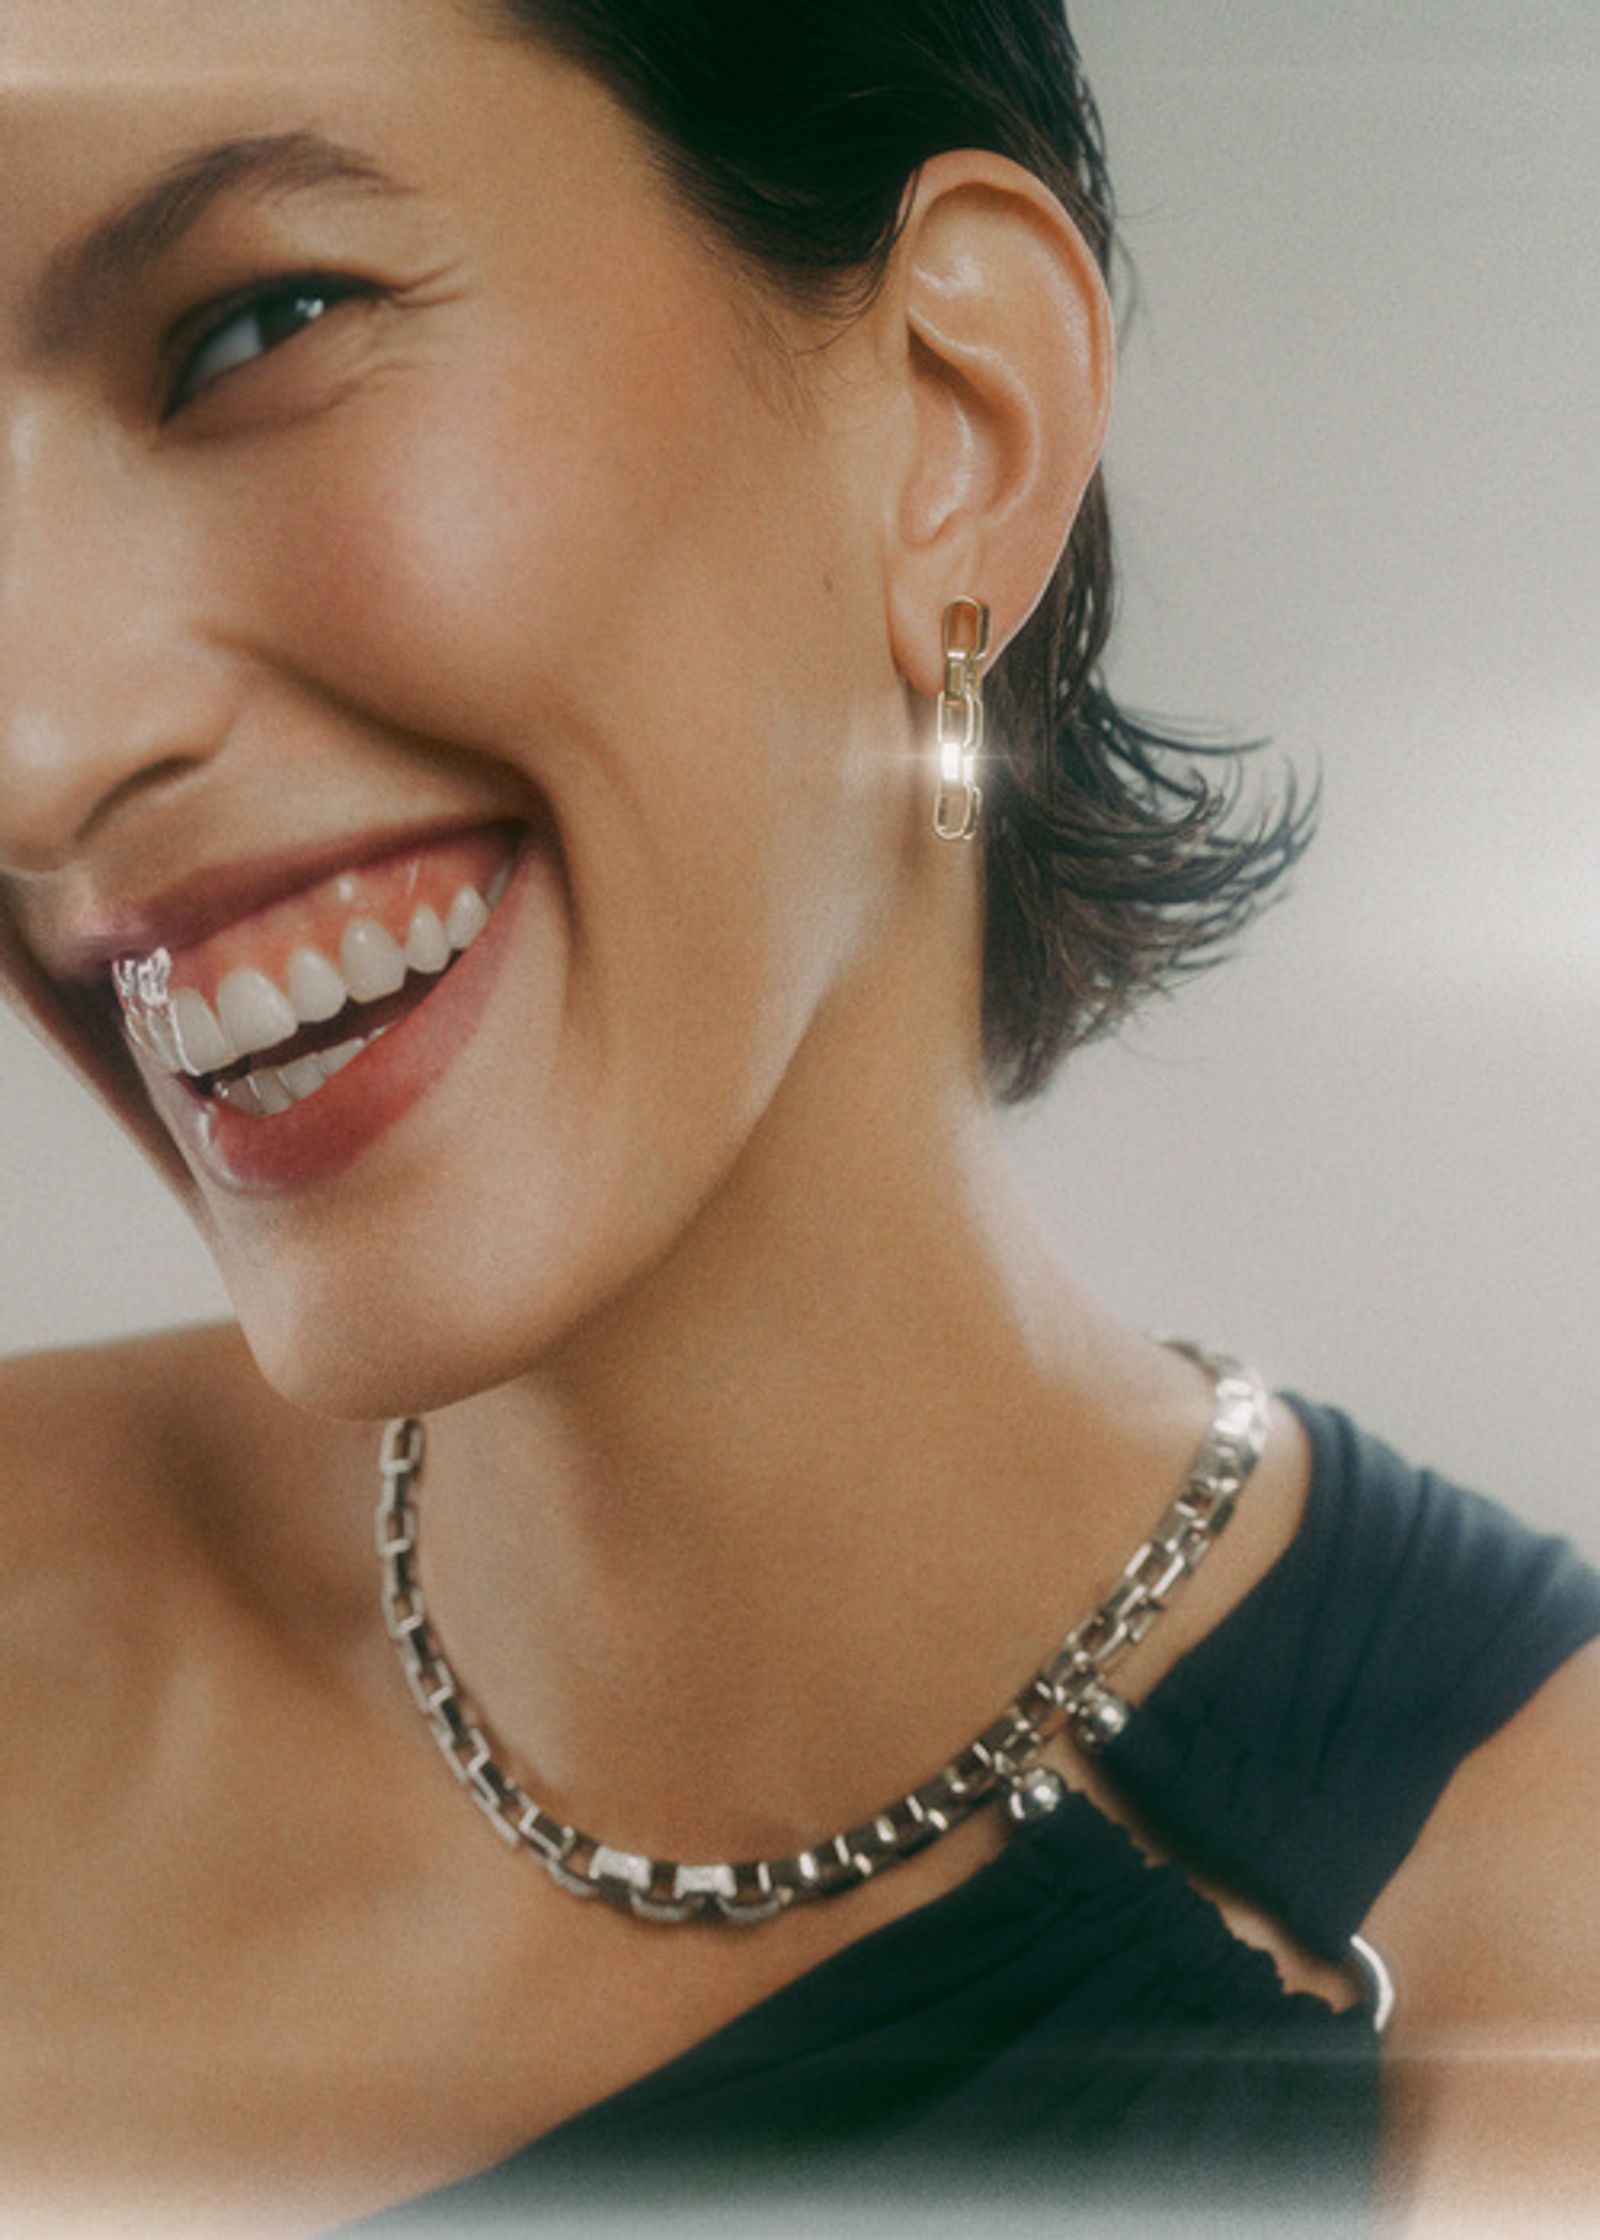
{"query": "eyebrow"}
(152, 222)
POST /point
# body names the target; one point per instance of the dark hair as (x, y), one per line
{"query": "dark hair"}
(793, 128)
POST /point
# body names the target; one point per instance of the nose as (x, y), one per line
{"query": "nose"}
(107, 690)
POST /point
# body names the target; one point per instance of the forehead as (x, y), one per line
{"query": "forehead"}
(82, 43)
(98, 101)
(91, 90)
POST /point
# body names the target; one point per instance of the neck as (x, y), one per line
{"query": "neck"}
(768, 1537)
(764, 1539)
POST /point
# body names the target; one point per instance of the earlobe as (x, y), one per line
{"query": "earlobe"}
(1005, 353)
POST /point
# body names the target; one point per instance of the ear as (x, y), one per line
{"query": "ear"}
(999, 334)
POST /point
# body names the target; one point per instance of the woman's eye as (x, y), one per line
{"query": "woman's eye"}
(251, 330)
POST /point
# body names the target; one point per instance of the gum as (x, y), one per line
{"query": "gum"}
(390, 891)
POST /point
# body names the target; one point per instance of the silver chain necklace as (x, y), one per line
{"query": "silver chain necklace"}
(1069, 1690)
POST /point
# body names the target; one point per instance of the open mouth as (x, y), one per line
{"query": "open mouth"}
(265, 1014)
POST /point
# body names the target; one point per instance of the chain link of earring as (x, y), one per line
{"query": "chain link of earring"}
(966, 642)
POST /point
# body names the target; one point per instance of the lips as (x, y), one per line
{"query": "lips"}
(267, 1010)
(376, 1055)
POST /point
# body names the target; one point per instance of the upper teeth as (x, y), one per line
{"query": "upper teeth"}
(372, 962)
(181, 1032)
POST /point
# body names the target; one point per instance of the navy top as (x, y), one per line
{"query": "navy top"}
(1074, 2027)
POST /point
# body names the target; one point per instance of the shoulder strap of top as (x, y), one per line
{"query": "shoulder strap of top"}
(1297, 1750)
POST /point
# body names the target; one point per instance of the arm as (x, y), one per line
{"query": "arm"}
(1493, 1929)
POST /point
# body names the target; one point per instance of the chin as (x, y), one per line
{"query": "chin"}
(389, 1368)
(360, 1347)
(411, 1305)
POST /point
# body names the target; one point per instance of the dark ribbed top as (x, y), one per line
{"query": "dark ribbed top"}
(1074, 2029)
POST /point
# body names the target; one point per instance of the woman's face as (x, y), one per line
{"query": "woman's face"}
(395, 487)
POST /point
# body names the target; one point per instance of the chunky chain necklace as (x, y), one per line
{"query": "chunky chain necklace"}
(1069, 1690)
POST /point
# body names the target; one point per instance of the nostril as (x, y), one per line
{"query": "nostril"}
(74, 757)
(49, 809)
(152, 778)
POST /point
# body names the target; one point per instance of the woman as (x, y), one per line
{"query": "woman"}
(551, 770)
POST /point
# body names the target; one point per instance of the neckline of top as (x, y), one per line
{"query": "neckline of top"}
(1302, 1550)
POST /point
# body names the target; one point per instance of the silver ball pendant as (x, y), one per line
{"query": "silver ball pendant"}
(1034, 1795)
(1099, 1717)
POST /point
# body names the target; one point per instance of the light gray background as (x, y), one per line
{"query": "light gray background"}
(1354, 474)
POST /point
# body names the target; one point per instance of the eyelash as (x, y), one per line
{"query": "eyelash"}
(317, 293)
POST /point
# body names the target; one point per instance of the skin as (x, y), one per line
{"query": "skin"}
(707, 1231)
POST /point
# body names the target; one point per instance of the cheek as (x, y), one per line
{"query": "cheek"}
(436, 567)
(479, 547)
(620, 594)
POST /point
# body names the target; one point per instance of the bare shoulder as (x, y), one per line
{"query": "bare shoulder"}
(113, 1437)
(133, 1478)
(135, 1386)
(1493, 1928)
(95, 1451)
(90, 1434)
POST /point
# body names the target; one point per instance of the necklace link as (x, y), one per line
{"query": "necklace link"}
(1068, 1691)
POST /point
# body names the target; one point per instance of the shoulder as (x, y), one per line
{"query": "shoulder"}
(1460, 1648)
(98, 1447)
(123, 1437)
(98, 1441)
(1447, 1611)
(63, 1405)
(93, 1589)
(88, 1436)
(134, 1478)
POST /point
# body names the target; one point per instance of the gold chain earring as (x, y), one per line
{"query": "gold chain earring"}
(959, 798)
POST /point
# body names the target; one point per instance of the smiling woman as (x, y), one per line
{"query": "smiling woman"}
(555, 774)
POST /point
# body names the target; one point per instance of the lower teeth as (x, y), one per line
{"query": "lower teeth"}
(278, 1089)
